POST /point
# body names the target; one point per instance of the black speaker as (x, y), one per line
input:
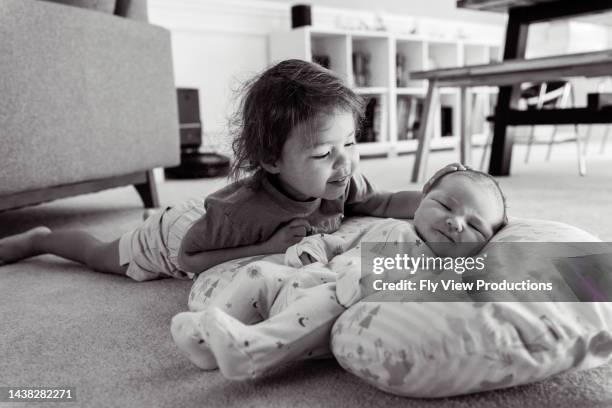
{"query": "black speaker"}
(188, 105)
(199, 165)
(300, 15)
(194, 164)
(190, 124)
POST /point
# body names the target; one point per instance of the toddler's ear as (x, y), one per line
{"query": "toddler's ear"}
(272, 168)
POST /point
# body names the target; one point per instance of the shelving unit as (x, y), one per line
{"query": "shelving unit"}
(376, 65)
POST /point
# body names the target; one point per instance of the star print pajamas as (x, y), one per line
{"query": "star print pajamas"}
(269, 314)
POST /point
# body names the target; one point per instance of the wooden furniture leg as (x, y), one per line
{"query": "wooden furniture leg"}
(465, 141)
(581, 159)
(143, 181)
(424, 133)
(501, 148)
(148, 191)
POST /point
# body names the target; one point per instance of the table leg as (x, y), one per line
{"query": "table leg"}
(465, 140)
(424, 132)
(501, 148)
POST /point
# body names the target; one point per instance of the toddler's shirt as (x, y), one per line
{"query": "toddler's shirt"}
(248, 212)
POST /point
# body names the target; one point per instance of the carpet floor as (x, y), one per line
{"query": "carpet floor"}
(108, 337)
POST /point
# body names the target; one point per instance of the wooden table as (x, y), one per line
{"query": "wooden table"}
(507, 74)
(522, 13)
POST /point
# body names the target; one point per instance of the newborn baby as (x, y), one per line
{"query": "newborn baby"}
(460, 212)
(269, 315)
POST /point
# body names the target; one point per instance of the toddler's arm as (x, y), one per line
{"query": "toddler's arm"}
(403, 204)
(197, 262)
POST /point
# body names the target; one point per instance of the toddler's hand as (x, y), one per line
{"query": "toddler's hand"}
(288, 235)
(444, 170)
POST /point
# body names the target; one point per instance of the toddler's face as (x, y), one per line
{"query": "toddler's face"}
(460, 213)
(317, 161)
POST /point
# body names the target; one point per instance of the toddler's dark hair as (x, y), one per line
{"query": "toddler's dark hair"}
(273, 103)
(484, 179)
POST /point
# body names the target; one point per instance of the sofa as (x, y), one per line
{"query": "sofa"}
(88, 99)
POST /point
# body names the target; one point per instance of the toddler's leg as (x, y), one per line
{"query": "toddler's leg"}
(248, 298)
(77, 246)
(300, 331)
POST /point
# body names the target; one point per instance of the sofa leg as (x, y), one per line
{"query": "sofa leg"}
(148, 191)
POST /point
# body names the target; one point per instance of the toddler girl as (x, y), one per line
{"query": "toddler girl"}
(269, 315)
(295, 144)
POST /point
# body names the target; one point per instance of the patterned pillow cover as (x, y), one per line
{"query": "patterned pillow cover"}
(218, 276)
(430, 349)
(434, 349)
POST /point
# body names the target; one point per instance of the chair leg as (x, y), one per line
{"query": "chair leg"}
(566, 97)
(539, 105)
(604, 140)
(148, 191)
(581, 162)
(587, 137)
(486, 146)
(529, 143)
(551, 142)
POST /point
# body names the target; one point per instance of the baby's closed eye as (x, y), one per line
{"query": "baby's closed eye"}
(442, 204)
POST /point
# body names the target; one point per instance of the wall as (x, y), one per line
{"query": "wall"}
(445, 9)
(217, 44)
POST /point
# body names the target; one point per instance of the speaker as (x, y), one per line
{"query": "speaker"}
(190, 124)
(188, 105)
(199, 165)
(300, 16)
(194, 164)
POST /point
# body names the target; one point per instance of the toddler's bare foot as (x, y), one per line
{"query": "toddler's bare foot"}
(20, 246)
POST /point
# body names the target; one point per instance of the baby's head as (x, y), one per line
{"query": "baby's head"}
(297, 122)
(460, 212)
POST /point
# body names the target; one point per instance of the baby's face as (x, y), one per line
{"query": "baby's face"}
(460, 213)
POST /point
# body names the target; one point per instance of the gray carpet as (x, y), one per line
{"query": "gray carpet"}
(109, 337)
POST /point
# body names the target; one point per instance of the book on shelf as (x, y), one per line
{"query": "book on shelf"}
(409, 110)
(446, 125)
(371, 125)
(322, 59)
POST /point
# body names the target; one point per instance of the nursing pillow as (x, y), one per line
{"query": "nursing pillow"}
(440, 349)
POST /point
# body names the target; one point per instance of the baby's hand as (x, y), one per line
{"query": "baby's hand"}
(288, 235)
(315, 248)
(444, 170)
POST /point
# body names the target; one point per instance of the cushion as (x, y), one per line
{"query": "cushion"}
(440, 349)
(106, 6)
(435, 349)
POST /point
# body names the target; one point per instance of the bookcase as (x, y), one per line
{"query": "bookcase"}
(376, 64)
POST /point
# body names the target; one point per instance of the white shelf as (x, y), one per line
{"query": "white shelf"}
(448, 91)
(372, 90)
(373, 148)
(410, 91)
(381, 77)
